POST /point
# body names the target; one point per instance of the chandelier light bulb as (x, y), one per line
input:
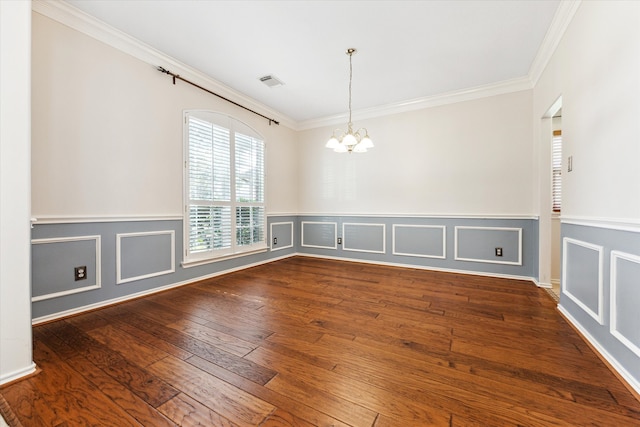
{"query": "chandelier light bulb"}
(332, 143)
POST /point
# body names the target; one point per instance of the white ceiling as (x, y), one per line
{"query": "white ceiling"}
(407, 50)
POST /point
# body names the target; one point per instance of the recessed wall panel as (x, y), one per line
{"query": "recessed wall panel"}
(625, 299)
(582, 276)
(428, 241)
(144, 255)
(57, 259)
(479, 244)
(363, 237)
(319, 234)
(281, 235)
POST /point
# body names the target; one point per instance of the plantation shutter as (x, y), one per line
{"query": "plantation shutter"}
(557, 171)
(249, 168)
(224, 173)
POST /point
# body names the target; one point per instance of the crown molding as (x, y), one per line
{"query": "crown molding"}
(469, 94)
(82, 22)
(561, 20)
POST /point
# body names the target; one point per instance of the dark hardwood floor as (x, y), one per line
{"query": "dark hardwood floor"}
(304, 341)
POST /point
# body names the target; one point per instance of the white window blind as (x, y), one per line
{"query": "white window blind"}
(557, 171)
(218, 155)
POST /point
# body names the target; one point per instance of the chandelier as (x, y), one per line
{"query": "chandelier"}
(350, 141)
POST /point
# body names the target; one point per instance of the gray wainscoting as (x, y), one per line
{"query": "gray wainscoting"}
(359, 237)
(144, 255)
(282, 236)
(455, 244)
(58, 258)
(600, 291)
(480, 244)
(319, 234)
(124, 259)
(428, 241)
(131, 258)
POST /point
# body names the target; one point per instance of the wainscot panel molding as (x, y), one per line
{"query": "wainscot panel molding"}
(148, 254)
(582, 277)
(58, 279)
(430, 245)
(466, 248)
(625, 284)
(281, 236)
(319, 234)
(359, 237)
(600, 291)
(426, 241)
(135, 258)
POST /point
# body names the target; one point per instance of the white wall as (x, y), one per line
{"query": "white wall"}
(15, 248)
(596, 69)
(468, 158)
(107, 132)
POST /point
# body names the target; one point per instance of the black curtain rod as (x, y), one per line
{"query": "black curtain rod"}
(177, 76)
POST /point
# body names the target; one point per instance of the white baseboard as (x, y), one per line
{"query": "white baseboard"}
(613, 362)
(423, 267)
(15, 375)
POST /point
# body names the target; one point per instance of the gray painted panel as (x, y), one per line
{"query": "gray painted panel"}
(582, 275)
(479, 244)
(628, 300)
(315, 234)
(109, 290)
(618, 240)
(418, 241)
(283, 232)
(529, 267)
(57, 261)
(108, 230)
(144, 255)
(364, 237)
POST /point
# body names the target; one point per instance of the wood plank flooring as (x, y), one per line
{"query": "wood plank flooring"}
(311, 342)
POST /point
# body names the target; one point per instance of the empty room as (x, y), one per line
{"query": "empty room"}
(319, 213)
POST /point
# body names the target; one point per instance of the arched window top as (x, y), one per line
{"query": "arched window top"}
(224, 187)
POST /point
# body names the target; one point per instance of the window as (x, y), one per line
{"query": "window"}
(556, 189)
(224, 187)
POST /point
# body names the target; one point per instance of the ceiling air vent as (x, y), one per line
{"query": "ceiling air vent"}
(271, 81)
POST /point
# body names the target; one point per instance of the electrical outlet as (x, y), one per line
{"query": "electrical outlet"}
(275, 240)
(80, 273)
(339, 240)
(498, 251)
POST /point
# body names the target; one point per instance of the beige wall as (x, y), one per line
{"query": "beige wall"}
(107, 132)
(467, 158)
(595, 69)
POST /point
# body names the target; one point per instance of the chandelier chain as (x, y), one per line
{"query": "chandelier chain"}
(350, 80)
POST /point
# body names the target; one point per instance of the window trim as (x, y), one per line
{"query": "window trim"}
(234, 126)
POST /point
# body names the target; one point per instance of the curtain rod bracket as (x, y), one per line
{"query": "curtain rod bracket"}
(177, 76)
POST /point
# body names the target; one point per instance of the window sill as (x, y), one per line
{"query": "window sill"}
(198, 262)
